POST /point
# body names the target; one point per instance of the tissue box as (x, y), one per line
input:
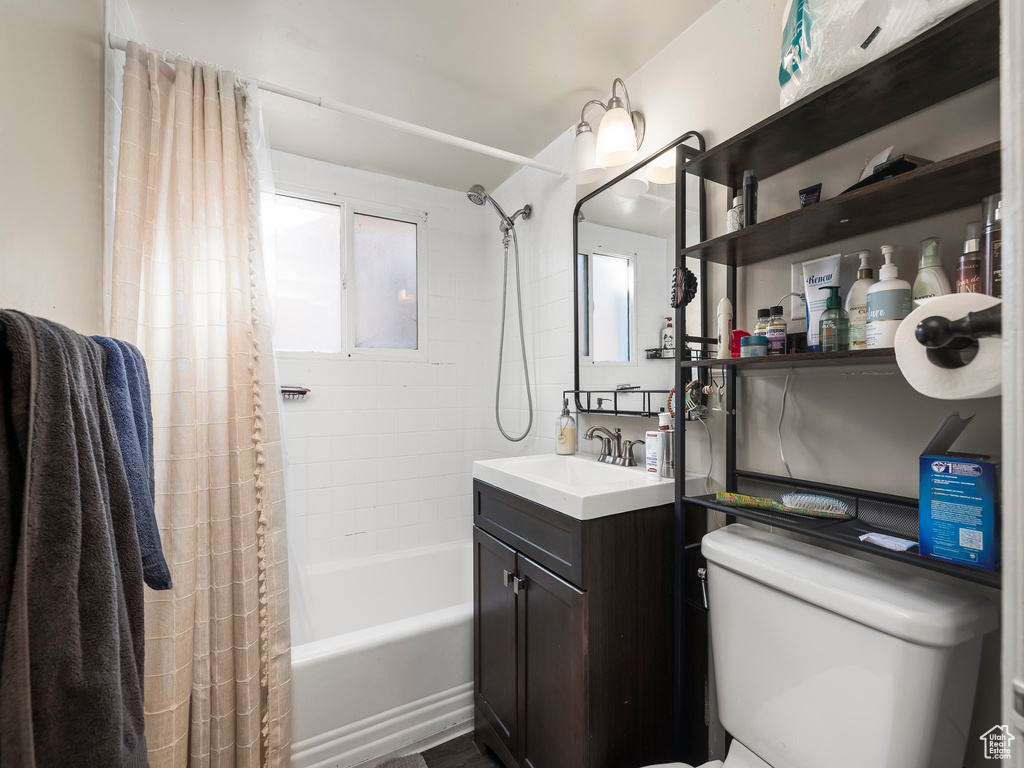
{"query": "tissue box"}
(960, 510)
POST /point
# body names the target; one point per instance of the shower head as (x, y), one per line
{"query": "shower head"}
(477, 194)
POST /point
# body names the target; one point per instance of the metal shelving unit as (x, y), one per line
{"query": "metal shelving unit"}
(960, 53)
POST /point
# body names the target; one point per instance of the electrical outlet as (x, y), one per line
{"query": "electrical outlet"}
(797, 308)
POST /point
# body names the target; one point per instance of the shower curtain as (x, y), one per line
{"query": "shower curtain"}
(189, 291)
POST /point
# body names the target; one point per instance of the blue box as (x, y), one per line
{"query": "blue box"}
(960, 509)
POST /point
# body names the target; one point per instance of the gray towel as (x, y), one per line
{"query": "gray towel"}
(128, 396)
(71, 665)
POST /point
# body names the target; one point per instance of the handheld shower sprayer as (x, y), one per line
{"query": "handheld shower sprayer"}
(478, 196)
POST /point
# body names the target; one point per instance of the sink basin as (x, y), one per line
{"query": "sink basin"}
(578, 486)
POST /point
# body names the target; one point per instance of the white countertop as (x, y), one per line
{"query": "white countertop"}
(580, 486)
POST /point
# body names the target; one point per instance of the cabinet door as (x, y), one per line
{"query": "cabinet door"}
(494, 619)
(552, 670)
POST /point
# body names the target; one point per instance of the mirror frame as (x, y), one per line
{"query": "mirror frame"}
(684, 154)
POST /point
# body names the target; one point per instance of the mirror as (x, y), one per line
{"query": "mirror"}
(625, 243)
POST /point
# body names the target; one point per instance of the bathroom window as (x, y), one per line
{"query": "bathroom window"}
(349, 278)
(307, 275)
(385, 293)
(609, 298)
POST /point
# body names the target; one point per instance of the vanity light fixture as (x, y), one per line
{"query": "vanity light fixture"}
(618, 137)
(662, 169)
(632, 186)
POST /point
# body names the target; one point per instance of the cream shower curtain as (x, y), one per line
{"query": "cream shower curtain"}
(188, 290)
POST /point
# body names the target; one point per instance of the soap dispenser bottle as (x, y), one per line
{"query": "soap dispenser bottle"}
(931, 277)
(834, 326)
(857, 303)
(565, 431)
(668, 338)
(888, 303)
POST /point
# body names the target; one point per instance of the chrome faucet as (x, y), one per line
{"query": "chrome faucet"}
(611, 445)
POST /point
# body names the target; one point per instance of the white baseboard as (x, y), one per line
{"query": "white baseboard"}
(410, 728)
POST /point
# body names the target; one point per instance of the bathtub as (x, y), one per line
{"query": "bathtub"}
(390, 668)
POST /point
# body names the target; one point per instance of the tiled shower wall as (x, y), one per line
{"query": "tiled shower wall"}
(380, 453)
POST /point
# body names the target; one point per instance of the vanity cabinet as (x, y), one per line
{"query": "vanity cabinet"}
(573, 627)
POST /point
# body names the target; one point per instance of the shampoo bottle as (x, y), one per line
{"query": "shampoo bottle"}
(565, 431)
(888, 303)
(931, 276)
(857, 303)
(834, 326)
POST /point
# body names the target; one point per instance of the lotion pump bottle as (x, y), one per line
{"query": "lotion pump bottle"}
(888, 303)
(857, 303)
(565, 431)
(931, 277)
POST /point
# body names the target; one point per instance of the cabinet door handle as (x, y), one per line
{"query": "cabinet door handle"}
(505, 577)
(518, 585)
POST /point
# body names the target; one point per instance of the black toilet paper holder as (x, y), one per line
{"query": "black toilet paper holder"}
(954, 343)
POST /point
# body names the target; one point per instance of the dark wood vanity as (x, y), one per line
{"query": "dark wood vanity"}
(573, 627)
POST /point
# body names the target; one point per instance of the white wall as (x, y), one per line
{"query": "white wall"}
(51, 150)
(380, 453)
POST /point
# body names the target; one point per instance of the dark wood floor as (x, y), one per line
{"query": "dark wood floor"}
(460, 752)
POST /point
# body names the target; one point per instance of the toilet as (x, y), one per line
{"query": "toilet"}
(824, 659)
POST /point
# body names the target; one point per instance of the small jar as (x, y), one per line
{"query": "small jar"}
(734, 219)
(754, 346)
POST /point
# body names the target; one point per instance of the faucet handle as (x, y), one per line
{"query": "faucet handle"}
(627, 451)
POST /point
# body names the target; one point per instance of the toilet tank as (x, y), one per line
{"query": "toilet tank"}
(822, 659)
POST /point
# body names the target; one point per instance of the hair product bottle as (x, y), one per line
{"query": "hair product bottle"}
(968, 269)
(992, 246)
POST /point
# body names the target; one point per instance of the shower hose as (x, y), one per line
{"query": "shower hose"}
(522, 341)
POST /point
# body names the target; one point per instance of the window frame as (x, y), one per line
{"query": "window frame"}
(351, 206)
(630, 260)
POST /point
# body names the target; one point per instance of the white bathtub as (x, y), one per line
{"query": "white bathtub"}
(390, 668)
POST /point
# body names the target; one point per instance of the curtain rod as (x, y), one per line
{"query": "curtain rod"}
(120, 44)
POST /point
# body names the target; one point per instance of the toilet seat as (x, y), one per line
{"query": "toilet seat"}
(738, 757)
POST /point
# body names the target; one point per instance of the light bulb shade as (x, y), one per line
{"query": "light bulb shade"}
(662, 169)
(616, 139)
(584, 166)
(632, 186)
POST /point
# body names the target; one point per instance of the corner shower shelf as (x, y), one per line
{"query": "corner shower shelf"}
(876, 512)
(946, 185)
(800, 360)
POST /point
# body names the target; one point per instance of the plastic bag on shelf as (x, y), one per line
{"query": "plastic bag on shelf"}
(824, 40)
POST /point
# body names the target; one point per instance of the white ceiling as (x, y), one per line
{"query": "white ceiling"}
(509, 73)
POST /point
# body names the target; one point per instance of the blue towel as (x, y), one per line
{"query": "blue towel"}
(127, 383)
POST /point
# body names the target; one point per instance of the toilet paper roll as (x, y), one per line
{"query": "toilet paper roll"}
(982, 377)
